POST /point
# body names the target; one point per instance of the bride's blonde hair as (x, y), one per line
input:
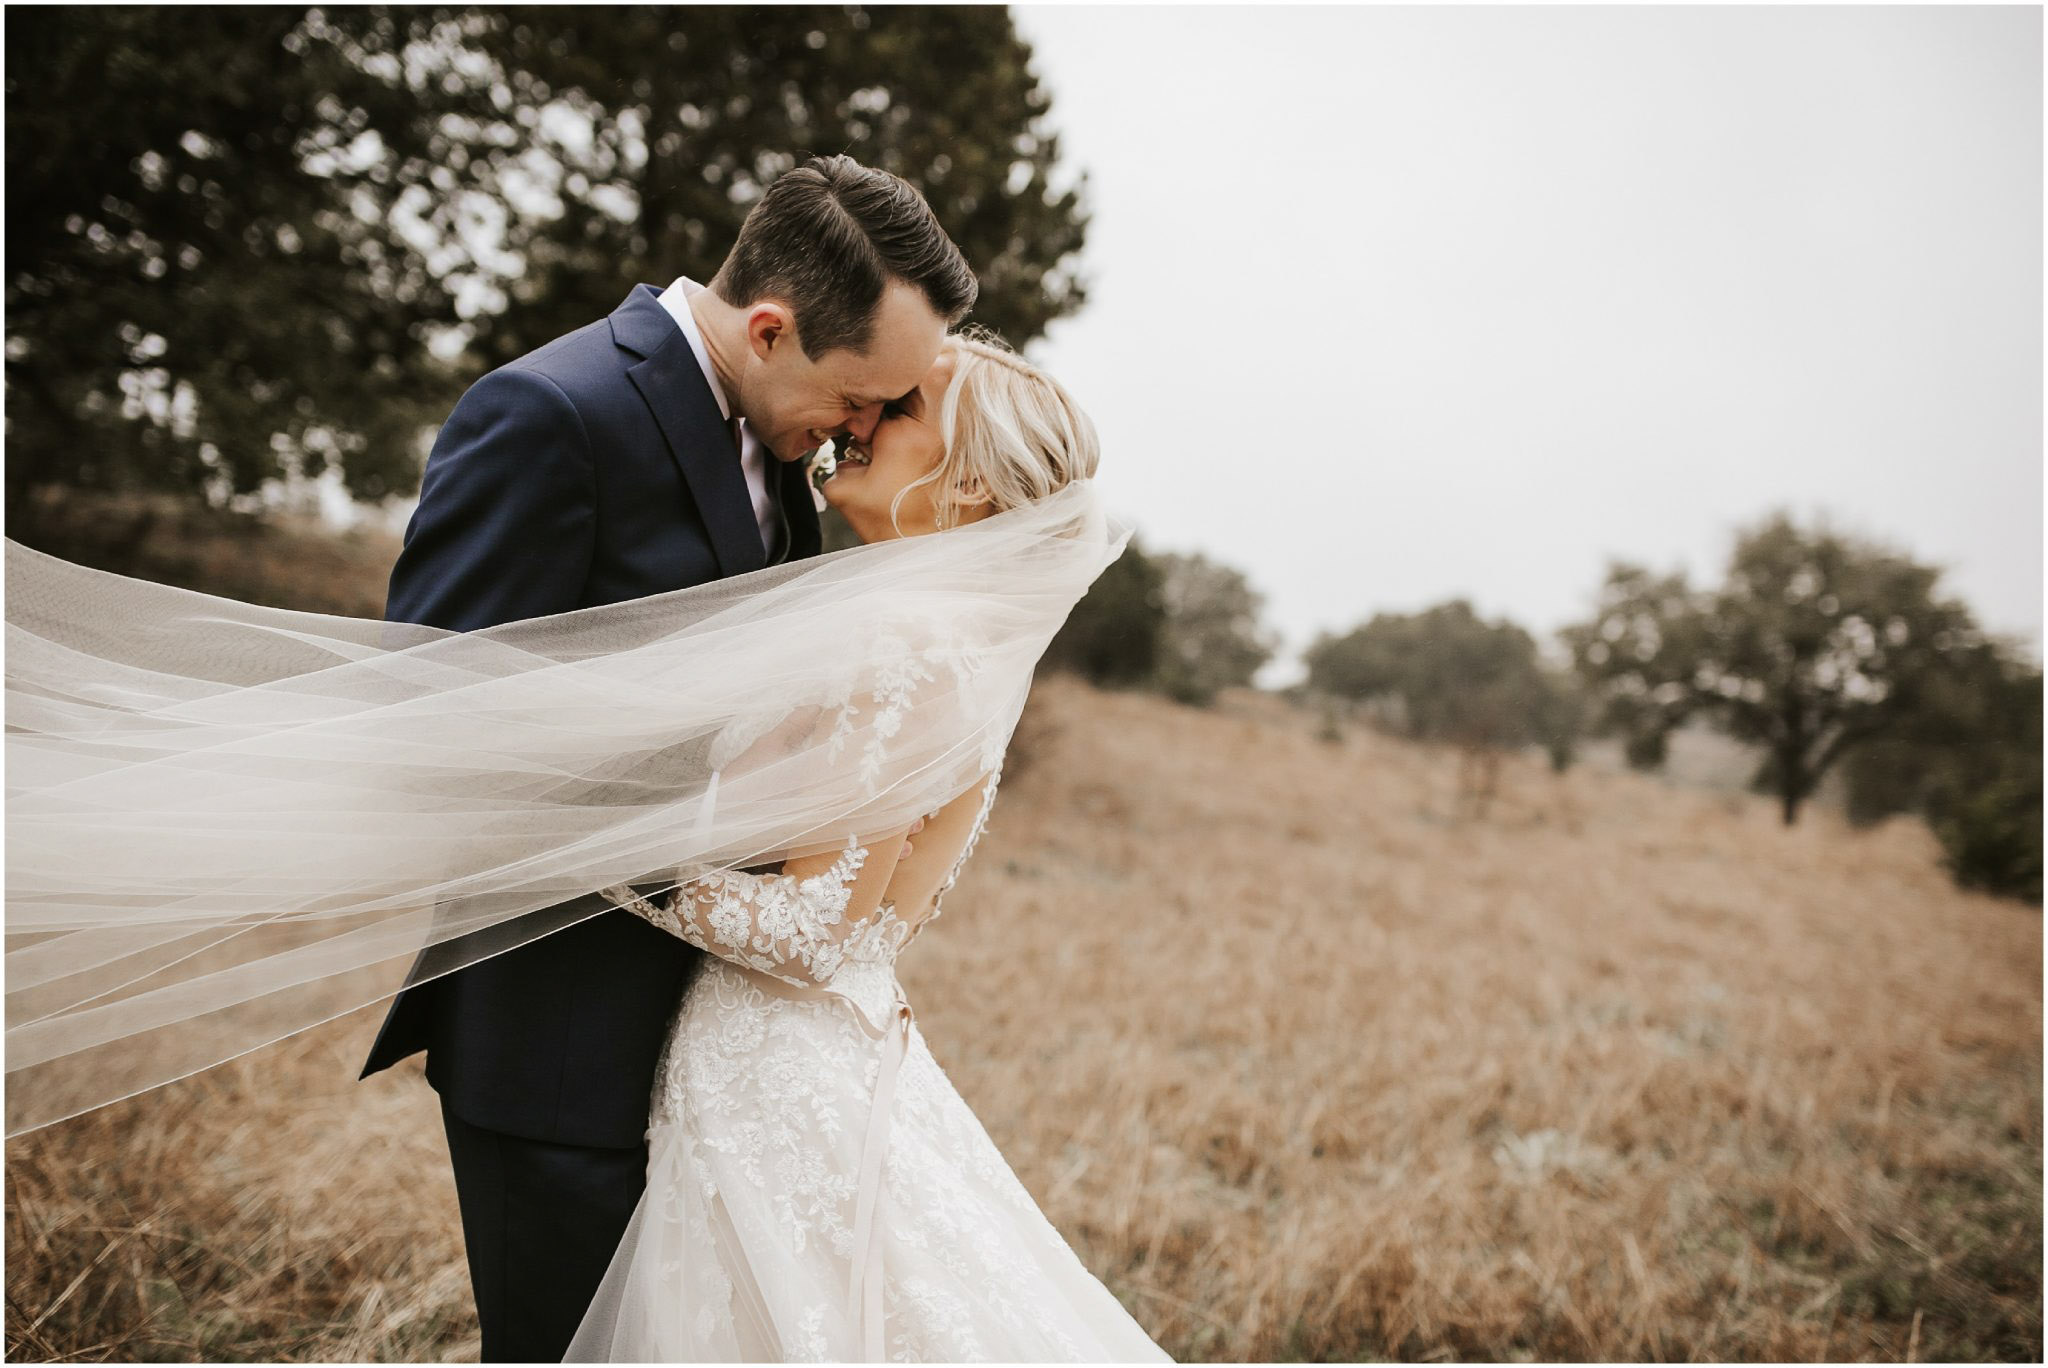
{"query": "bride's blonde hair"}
(1013, 434)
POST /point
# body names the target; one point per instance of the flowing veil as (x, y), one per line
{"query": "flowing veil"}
(227, 823)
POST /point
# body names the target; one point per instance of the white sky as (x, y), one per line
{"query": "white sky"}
(1390, 306)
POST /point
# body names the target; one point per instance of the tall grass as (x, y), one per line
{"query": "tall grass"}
(1304, 1064)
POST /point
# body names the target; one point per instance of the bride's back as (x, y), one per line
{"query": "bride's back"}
(937, 853)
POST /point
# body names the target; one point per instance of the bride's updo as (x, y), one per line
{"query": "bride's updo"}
(1013, 434)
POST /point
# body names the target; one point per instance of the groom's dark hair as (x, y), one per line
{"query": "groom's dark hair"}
(827, 238)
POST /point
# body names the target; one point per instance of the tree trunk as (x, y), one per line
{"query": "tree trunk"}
(1792, 786)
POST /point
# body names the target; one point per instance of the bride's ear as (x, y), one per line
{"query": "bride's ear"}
(970, 492)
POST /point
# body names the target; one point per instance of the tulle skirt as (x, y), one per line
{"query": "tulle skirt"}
(751, 1242)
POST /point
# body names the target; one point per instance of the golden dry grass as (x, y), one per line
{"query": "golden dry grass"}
(1304, 1064)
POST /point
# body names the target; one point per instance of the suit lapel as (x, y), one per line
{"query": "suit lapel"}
(679, 397)
(799, 513)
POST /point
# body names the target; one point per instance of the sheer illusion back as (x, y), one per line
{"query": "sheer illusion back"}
(798, 930)
(817, 1189)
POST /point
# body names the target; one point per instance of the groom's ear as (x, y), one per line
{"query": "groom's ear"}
(769, 325)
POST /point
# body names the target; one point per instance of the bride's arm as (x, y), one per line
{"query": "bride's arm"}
(922, 875)
(793, 923)
(790, 924)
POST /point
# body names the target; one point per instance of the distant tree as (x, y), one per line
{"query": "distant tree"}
(1113, 636)
(1965, 720)
(1968, 760)
(1557, 709)
(1814, 644)
(1455, 678)
(1637, 657)
(238, 238)
(205, 285)
(671, 121)
(1991, 834)
(1212, 637)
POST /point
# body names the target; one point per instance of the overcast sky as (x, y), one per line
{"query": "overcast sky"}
(1390, 306)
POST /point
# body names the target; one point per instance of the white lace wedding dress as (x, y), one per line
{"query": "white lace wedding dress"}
(816, 1189)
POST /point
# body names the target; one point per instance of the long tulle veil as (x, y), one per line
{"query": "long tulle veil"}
(227, 823)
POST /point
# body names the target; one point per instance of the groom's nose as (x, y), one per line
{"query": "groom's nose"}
(863, 422)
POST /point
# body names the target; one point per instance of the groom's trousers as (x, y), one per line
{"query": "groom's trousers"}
(540, 1222)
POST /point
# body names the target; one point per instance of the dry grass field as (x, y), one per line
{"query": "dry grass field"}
(1305, 1063)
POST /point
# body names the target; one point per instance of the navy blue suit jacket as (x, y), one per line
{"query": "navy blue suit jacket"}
(594, 470)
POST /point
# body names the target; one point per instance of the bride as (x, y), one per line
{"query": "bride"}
(227, 823)
(816, 1189)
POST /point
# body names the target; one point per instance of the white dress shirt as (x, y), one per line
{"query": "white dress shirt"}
(754, 457)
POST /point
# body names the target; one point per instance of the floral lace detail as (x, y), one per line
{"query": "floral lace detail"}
(897, 672)
(899, 664)
(772, 1094)
(809, 1344)
(761, 1114)
(793, 929)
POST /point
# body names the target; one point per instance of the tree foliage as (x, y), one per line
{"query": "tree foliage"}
(1814, 644)
(671, 121)
(1113, 636)
(1212, 638)
(201, 258)
(1450, 676)
(1638, 656)
(1968, 759)
(1181, 625)
(238, 239)
(1991, 834)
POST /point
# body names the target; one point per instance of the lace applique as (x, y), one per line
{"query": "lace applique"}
(898, 670)
(771, 1098)
(793, 929)
(809, 1345)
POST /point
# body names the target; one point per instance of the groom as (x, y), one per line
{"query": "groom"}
(655, 449)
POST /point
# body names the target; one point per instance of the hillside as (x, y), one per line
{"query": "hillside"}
(1305, 1065)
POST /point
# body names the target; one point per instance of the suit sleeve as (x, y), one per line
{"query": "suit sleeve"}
(507, 518)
